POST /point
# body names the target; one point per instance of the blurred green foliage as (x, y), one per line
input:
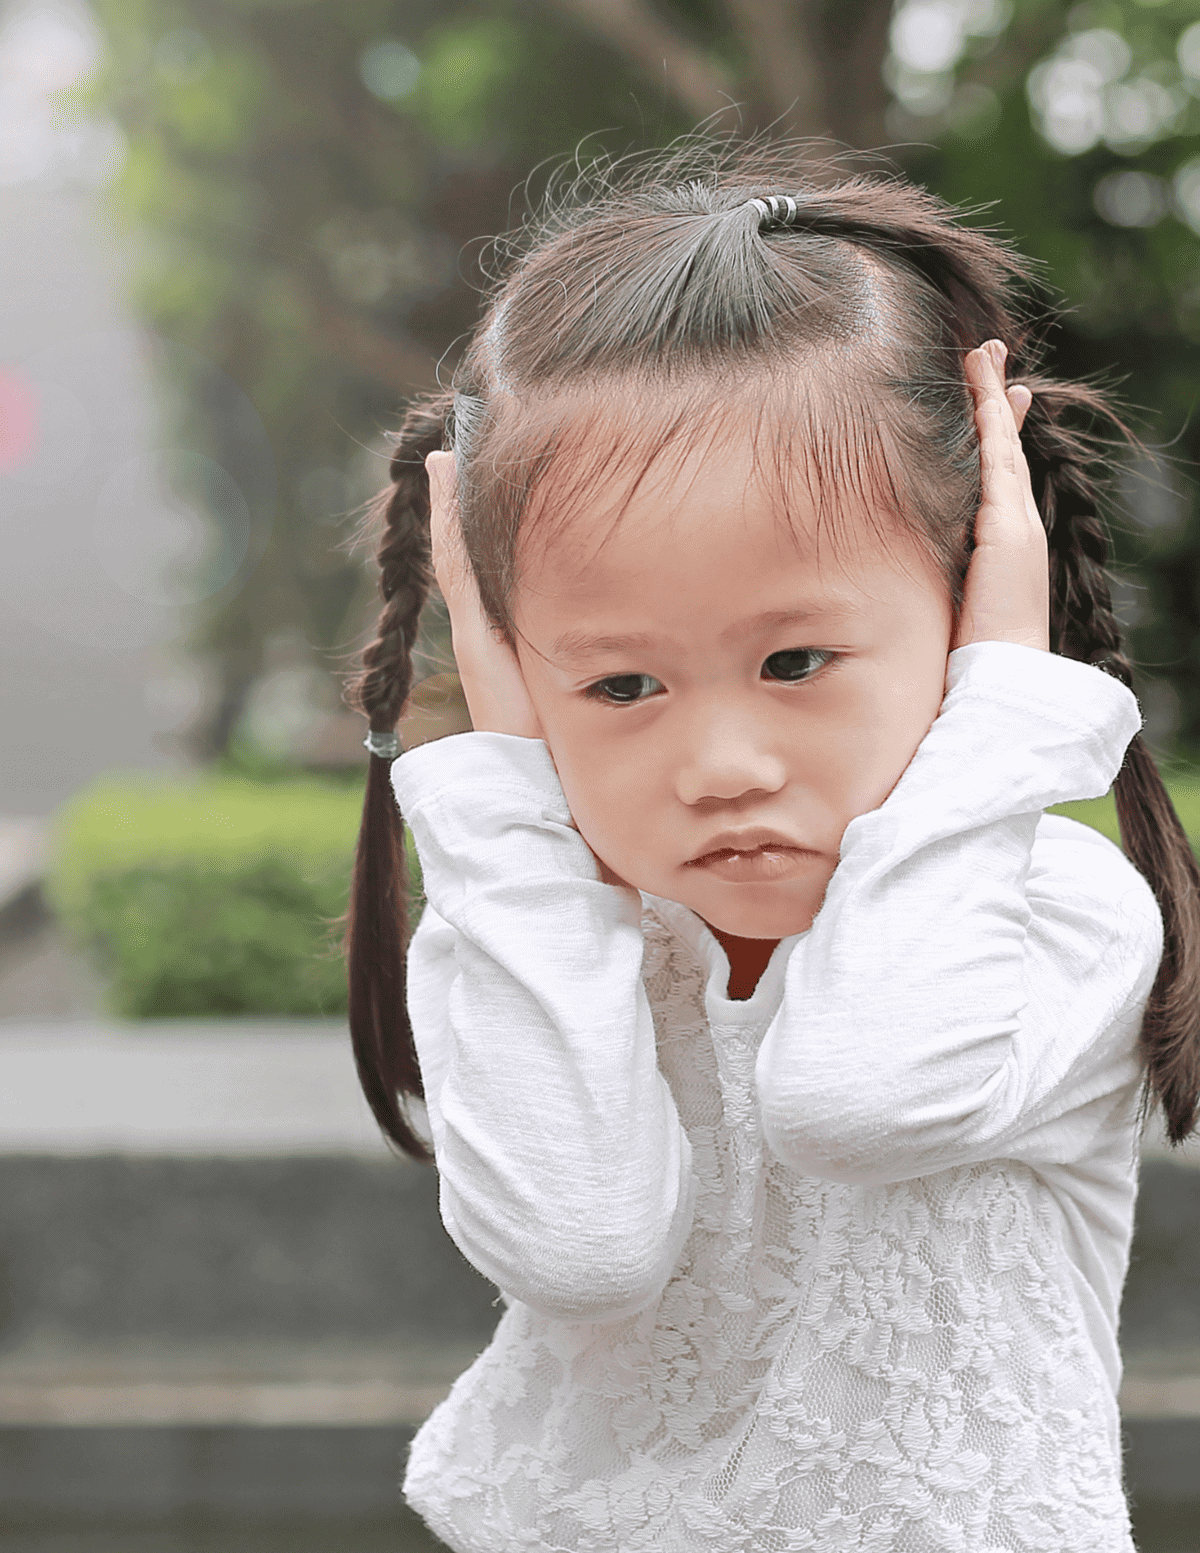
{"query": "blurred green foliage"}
(216, 897)
(179, 937)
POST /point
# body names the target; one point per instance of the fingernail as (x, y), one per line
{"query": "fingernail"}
(998, 352)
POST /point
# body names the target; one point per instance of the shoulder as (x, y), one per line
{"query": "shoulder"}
(1084, 883)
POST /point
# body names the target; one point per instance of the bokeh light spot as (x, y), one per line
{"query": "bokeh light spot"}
(389, 69)
(18, 420)
(1132, 199)
(60, 437)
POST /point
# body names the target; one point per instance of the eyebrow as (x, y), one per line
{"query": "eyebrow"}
(580, 645)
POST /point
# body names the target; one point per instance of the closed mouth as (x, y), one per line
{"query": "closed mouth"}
(743, 844)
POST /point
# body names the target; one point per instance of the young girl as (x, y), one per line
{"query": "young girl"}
(780, 1058)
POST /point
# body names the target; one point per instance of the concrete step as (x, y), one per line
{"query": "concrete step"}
(251, 1087)
(207, 1489)
(75, 1473)
(201, 1532)
(195, 1087)
(342, 1483)
(347, 1383)
(246, 1198)
(220, 1333)
(119, 1250)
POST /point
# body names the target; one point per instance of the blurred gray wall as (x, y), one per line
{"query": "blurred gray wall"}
(88, 605)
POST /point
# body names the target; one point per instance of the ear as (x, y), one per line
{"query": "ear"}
(1019, 399)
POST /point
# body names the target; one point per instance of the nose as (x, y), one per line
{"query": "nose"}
(727, 758)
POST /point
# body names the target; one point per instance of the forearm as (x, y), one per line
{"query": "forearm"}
(565, 1172)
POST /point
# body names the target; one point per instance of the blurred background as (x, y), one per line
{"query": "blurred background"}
(235, 236)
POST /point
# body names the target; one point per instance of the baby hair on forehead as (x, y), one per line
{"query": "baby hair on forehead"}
(818, 442)
(735, 289)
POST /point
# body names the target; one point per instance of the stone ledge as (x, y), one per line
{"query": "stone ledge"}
(1157, 1396)
(272, 1404)
(254, 1257)
(233, 1088)
(354, 1404)
(229, 1088)
(90, 1474)
(264, 1384)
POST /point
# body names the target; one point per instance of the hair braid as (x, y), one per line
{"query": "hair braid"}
(1083, 626)
(402, 512)
(376, 942)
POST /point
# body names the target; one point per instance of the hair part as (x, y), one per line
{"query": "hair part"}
(654, 286)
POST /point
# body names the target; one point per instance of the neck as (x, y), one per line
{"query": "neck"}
(748, 958)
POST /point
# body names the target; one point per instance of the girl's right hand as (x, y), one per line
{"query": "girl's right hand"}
(492, 682)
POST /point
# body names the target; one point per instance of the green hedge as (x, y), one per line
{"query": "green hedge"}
(220, 896)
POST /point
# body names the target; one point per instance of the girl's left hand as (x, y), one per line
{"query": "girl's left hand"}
(1007, 594)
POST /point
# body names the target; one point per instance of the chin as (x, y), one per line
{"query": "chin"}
(738, 925)
(758, 919)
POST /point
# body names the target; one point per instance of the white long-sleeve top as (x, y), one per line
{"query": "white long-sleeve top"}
(835, 1267)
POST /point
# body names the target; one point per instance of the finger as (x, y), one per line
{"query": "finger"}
(1008, 513)
(993, 420)
(1019, 399)
(1006, 588)
(444, 541)
(440, 469)
(1001, 456)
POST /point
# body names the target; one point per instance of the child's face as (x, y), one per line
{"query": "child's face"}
(719, 705)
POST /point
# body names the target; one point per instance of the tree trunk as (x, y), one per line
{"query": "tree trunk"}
(850, 39)
(813, 67)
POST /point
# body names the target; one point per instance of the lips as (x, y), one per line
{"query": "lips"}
(742, 843)
(755, 860)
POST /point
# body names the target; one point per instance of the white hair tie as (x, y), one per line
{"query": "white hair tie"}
(775, 210)
(386, 745)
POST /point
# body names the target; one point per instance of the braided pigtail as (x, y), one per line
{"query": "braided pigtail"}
(377, 929)
(1083, 626)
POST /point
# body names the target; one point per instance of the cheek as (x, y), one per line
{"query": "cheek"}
(596, 781)
(899, 710)
(862, 732)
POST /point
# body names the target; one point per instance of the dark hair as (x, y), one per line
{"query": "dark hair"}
(657, 279)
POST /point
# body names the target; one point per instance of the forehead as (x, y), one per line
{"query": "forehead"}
(797, 463)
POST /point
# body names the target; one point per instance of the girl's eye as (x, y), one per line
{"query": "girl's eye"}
(795, 663)
(623, 689)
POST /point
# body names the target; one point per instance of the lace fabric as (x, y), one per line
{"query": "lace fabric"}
(890, 1369)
